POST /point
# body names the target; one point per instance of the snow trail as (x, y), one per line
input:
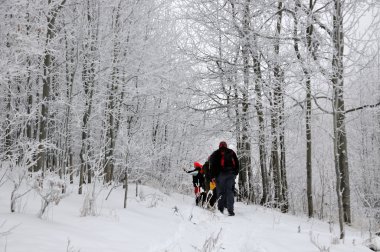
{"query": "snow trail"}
(158, 222)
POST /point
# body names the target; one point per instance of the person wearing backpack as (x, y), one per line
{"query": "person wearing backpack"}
(198, 183)
(210, 187)
(224, 167)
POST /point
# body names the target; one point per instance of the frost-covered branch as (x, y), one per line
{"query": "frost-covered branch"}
(363, 107)
(50, 188)
(6, 232)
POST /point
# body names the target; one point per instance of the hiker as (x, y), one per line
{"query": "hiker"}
(210, 186)
(224, 169)
(198, 183)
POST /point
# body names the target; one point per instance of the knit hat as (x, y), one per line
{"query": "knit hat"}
(197, 165)
(222, 144)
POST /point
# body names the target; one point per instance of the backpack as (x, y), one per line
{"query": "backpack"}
(227, 162)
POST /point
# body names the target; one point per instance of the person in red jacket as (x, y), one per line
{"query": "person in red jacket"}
(198, 182)
(224, 169)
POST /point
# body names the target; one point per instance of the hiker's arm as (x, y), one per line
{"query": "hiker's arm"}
(190, 171)
(193, 172)
(237, 165)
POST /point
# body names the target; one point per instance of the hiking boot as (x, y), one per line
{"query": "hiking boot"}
(221, 210)
(231, 213)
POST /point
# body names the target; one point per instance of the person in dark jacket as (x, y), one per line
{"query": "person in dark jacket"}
(198, 182)
(224, 169)
(209, 185)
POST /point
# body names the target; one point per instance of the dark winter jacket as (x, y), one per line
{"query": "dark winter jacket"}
(223, 160)
(206, 170)
(198, 177)
(207, 176)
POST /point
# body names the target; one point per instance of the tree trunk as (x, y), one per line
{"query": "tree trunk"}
(260, 116)
(284, 181)
(339, 123)
(8, 138)
(243, 193)
(70, 73)
(246, 146)
(338, 179)
(29, 88)
(274, 161)
(88, 77)
(125, 187)
(308, 150)
(47, 81)
(112, 104)
(309, 32)
(278, 159)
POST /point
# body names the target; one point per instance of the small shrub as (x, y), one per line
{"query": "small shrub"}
(211, 243)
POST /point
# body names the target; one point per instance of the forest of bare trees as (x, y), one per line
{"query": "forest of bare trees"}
(118, 91)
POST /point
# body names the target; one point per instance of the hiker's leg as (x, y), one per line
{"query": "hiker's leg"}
(230, 181)
(221, 191)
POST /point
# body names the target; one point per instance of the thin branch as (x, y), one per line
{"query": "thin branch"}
(5, 233)
(322, 109)
(362, 107)
(21, 195)
(208, 109)
(321, 8)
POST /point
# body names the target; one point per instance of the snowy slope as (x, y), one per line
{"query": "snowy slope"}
(160, 222)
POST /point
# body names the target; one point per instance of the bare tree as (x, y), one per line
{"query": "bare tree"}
(340, 138)
(47, 82)
(88, 78)
(307, 76)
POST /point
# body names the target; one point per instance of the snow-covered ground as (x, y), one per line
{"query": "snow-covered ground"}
(155, 221)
